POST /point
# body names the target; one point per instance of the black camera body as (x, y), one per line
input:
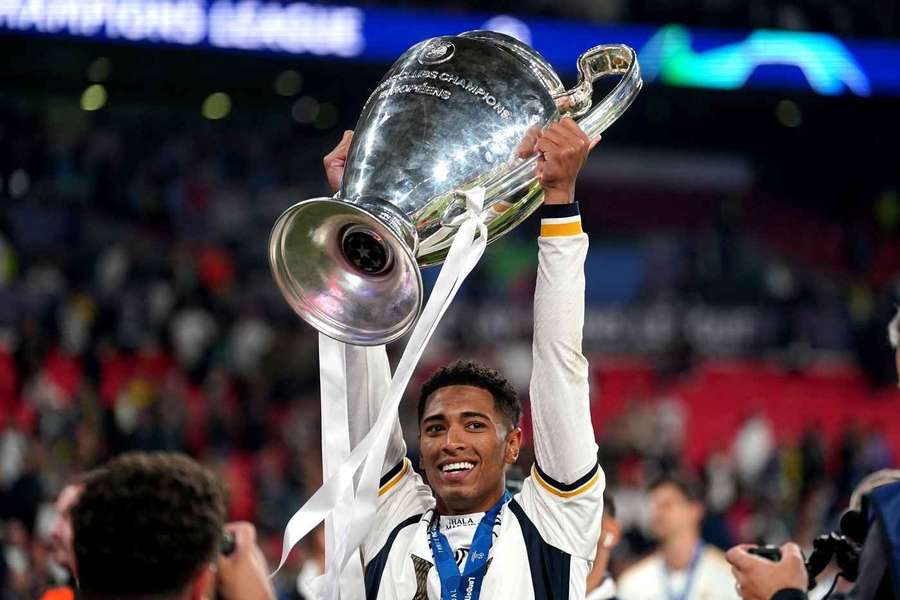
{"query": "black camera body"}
(825, 547)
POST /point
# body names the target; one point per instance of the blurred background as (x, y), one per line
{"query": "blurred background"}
(745, 248)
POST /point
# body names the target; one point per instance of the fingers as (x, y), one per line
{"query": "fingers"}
(791, 551)
(566, 137)
(528, 145)
(339, 153)
(244, 535)
(739, 558)
(346, 139)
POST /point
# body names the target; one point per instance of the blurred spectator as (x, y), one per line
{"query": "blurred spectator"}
(62, 550)
(752, 448)
(683, 566)
(600, 583)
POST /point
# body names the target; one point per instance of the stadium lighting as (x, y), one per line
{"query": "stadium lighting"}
(93, 98)
(19, 183)
(288, 83)
(305, 110)
(216, 106)
(788, 113)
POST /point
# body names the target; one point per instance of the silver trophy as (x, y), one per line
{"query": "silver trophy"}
(449, 116)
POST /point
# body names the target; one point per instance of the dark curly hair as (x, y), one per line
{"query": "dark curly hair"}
(477, 375)
(145, 525)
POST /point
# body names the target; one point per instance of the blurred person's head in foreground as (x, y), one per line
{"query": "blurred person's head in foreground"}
(610, 534)
(61, 532)
(468, 435)
(148, 526)
(676, 508)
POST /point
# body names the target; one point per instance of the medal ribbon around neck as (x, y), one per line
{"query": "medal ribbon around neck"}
(465, 585)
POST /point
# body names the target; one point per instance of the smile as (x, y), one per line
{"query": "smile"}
(457, 467)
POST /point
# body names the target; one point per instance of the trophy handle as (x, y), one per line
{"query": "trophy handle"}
(599, 61)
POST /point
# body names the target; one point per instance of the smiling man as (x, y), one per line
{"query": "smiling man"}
(463, 536)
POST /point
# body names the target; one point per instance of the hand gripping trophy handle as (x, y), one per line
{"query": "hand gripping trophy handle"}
(596, 63)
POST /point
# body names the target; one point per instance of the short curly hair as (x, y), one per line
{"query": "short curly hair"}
(476, 375)
(145, 524)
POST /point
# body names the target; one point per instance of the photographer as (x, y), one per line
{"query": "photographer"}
(872, 522)
(151, 526)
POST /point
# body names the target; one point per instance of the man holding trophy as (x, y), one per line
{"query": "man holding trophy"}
(463, 535)
(461, 141)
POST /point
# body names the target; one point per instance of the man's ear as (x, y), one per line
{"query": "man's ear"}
(203, 586)
(611, 534)
(513, 445)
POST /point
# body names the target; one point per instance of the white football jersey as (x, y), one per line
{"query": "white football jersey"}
(546, 536)
(544, 540)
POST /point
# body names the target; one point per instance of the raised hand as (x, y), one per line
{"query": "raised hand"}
(336, 160)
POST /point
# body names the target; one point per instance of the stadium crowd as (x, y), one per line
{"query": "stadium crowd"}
(137, 313)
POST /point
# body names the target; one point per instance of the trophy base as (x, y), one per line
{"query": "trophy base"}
(346, 271)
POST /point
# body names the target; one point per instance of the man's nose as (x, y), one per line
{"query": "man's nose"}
(454, 440)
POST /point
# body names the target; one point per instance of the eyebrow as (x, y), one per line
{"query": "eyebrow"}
(466, 415)
(470, 414)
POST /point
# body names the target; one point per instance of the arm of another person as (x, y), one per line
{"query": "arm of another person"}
(762, 579)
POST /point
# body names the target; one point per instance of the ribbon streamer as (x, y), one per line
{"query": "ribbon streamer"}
(356, 502)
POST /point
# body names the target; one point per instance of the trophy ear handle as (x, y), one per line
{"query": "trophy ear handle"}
(598, 62)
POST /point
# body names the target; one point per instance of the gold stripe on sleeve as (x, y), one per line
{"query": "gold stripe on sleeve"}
(560, 493)
(561, 229)
(395, 479)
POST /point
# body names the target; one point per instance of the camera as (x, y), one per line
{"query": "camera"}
(834, 545)
(227, 543)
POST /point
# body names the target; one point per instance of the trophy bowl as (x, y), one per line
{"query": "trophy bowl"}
(448, 117)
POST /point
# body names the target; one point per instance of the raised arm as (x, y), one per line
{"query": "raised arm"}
(367, 368)
(368, 379)
(564, 445)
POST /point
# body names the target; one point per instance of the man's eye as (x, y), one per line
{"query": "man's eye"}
(434, 429)
(476, 425)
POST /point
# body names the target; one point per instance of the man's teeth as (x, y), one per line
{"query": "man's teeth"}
(457, 466)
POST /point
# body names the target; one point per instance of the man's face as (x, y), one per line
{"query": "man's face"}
(61, 534)
(672, 513)
(465, 444)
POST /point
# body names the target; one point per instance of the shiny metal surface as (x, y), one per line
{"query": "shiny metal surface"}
(448, 116)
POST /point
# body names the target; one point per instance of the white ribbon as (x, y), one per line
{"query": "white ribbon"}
(353, 506)
(335, 450)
